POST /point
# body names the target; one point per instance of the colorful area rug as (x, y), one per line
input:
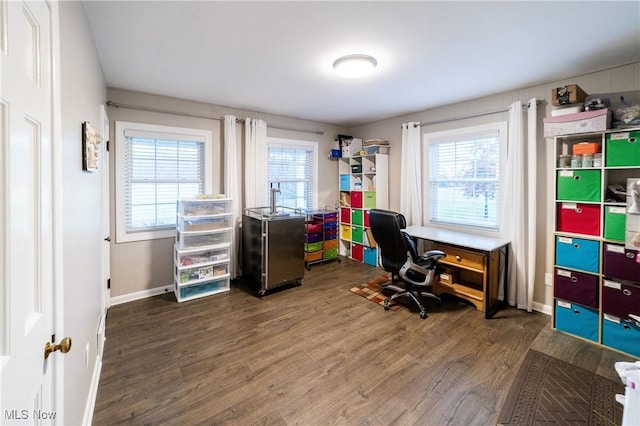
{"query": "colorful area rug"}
(371, 291)
(549, 391)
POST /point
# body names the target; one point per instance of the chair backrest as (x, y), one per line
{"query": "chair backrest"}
(386, 227)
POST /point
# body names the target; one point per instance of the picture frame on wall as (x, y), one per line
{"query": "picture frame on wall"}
(90, 141)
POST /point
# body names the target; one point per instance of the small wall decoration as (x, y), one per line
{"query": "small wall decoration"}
(90, 141)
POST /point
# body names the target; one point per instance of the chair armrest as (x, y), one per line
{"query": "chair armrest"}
(433, 254)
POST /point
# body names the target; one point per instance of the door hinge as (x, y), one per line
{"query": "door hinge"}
(108, 283)
(108, 146)
(53, 337)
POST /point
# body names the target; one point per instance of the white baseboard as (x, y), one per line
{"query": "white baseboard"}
(87, 418)
(539, 307)
(117, 300)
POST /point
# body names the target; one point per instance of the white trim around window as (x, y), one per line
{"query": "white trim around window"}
(125, 130)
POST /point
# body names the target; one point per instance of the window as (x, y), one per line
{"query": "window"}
(156, 166)
(293, 165)
(464, 170)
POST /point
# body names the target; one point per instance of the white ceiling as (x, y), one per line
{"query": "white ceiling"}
(276, 57)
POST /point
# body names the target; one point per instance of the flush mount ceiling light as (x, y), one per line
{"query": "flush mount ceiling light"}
(355, 66)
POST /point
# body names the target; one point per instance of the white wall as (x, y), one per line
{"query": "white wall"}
(620, 79)
(83, 91)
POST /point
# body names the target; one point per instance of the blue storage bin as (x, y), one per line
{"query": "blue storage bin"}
(345, 182)
(371, 256)
(577, 320)
(578, 253)
(622, 334)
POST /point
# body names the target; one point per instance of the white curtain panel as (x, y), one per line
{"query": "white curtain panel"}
(411, 174)
(232, 173)
(255, 163)
(519, 208)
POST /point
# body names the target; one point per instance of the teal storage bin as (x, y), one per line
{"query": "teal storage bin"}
(578, 253)
(576, 319)
(371, 256)
(579, 185)
(345, 182)
(622, 334)
(622, 149)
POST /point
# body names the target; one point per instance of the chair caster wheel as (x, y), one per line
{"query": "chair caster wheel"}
(386, 305)
(423, 315)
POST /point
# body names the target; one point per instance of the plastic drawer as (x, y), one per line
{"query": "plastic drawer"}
(203, 289)
(576, 287)
(312, 257)
(189, 224)
(203, 207)
(200, 273)
(577, 253)
(314, 227)
(196, 257)
(615, 220)
(313, 246)
(330, 244)
(579, 185)
(621, 299)
(191, 240)
(578, 218)
(314, 237)
(622, 149)
(621, 263)
(576, 319)
(330, 254)
(622, 334)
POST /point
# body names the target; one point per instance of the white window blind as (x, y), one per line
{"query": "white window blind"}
(292, 165)
(158, 173)
(156, 166)
(464, 177)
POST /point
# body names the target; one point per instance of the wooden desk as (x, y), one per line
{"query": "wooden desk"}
(475, 264)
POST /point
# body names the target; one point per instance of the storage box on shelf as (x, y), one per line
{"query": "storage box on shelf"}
(597, 277)
(321, 237)
(364, 178)
(203, 247)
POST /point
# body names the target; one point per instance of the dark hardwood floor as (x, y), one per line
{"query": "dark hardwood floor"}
(318, 354)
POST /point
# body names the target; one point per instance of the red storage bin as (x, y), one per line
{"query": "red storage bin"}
(620, 299)
(356, 200)
(357, 252)
(366, 219)
(576, 287)
(345, 215)
(314, 227)
(621, 263)
(578, 218)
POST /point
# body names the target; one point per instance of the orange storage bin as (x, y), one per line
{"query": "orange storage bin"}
(312, 257)
(586, 148)
(331, 244)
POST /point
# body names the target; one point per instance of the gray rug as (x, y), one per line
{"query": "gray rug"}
(548, 391)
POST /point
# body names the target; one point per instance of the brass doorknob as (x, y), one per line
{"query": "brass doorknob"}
(64, 347)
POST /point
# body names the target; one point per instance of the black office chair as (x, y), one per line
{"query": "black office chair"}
(399, 256)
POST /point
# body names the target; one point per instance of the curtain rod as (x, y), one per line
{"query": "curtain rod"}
(186, 114)
(464, 117)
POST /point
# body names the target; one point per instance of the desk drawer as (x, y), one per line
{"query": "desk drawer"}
(461, 257)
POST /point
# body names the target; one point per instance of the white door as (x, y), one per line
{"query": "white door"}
(28, 173)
